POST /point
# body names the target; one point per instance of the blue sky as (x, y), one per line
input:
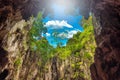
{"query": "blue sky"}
(62, 24)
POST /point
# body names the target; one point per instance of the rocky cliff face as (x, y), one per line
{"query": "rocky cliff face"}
(8, 18)
(107, 31)
(16, 59)
(17, 62)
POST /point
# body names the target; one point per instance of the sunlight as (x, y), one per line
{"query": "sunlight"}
(66, 3)
(62, 6)
(63, 20)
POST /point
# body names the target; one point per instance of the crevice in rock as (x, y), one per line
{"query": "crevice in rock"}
(4, 74)
(3, 58)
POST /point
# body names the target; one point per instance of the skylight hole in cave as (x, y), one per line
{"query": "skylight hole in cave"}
(62, 21)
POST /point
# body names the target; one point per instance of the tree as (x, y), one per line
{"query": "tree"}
(78, 52)
(36, 31)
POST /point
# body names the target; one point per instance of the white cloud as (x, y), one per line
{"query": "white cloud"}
(71, 33)
(47, 34)
(62, 35)
(56, 24)
(68, 35)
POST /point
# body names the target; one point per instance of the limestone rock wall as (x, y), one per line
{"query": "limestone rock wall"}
(16, 61)
(107, 32)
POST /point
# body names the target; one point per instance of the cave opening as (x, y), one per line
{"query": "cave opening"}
(61, 20)
(69, 62)
(65, 34)
(59, 40)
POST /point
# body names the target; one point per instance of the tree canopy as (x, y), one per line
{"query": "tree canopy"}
(79, 49)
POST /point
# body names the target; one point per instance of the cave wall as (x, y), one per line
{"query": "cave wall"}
(16, 60)
(8, 17)
(106, 19)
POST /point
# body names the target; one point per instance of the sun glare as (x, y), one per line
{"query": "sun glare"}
(62, 5)
(63, 20)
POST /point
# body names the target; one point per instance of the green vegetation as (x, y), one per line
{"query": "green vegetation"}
(36, 31)
(39, 44)
(79, 51)
(17, 62)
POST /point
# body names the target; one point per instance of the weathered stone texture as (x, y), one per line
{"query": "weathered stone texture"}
(106, 18)
(107, 32)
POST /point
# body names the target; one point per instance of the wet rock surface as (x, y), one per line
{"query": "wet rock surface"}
(107, 32)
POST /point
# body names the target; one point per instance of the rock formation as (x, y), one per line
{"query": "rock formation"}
(106, 20)
(107, 32)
